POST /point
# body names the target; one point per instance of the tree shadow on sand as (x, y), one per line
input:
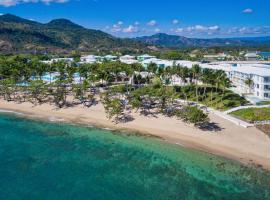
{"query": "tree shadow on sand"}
(210, 126)
(124, 118)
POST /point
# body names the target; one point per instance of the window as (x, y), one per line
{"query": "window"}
(266, 95)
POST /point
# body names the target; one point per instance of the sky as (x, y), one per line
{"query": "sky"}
(132, 18)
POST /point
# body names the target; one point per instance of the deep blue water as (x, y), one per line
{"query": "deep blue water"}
(41, 160)
(265, 54)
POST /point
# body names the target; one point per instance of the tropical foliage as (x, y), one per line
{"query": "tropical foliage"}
(121, 88)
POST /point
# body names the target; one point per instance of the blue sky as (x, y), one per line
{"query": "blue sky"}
(130, 18)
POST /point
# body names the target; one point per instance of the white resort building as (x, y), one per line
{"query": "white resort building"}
(89, 59)
(128, 59)
(237, 71)
(260, 76)
(145, 57)
(251, 56)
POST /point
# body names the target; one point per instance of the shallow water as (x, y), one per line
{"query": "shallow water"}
(42, 160)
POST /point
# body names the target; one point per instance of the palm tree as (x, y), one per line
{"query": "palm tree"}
(205, 80)
(212, 78)
(152, 68)
(250, 83)
(196, 72)
(226, 83)
(183, 73)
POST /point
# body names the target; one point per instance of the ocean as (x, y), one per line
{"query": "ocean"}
(265, 54)
(44, 160)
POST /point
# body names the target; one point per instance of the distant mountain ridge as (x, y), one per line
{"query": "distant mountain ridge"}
(18, 35)
(60, 35)
(165, 40)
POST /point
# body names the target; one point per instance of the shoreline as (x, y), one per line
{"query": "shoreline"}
(248, 146)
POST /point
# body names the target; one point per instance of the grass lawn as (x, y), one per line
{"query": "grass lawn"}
(253, 114)
(263, 103)
(218, 100)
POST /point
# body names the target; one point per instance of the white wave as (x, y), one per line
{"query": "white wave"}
(55, 119)
(10, 111)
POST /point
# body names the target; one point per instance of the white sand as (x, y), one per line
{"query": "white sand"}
(246, 145)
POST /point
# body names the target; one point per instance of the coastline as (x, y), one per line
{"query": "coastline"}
(246, 145)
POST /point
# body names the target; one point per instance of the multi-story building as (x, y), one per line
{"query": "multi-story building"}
(260, 76)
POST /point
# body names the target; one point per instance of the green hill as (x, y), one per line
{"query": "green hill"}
(58, 36)
(175, 41)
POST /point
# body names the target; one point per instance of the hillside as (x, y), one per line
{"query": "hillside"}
(165, 40)
(60, 35)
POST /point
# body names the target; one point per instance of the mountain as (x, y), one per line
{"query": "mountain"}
(165, 40)
(60, 35)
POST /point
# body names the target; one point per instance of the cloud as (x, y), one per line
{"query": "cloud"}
(120, 23)
(8, 3)
(117, 27)
(214, 28)
(248, 11)
(197, 29)
(178, 30)
(201, 28)
(175, 21)
(136, 23)
(253, 30)
(152, 23)
(157, 30)
(131, 29)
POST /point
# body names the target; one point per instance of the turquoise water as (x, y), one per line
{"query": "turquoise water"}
(41, 160)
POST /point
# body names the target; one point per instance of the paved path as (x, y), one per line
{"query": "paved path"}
(225, 115)
(232, 119)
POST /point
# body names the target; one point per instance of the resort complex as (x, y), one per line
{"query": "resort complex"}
(134, 100)
(250, 79)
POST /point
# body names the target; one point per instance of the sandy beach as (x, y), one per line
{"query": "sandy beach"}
(247, 145)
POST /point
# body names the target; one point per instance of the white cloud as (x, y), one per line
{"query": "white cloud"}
(117, 27)
(197, 29)
(120, 23)
(175, 21)
(179, 30)
(136, 23)
(213, 28)
(157, 30)
(252, 30)
(201, 28)
(131, 29)
(248, 10)
(8, 3)
(152, 23)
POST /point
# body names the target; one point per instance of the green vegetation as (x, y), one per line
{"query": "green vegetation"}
(120, 87)
(253, 114)
(59, 36)
(262, 103)
(215, 44)
(249, 82)
(178, 55)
